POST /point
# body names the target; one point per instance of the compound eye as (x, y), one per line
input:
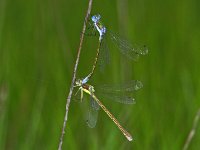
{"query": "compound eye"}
(77, 82)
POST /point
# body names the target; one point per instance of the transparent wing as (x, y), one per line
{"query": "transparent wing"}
(121, 98)
(130, 86)
(104, 55)
(76, 95)
(94, 104)
(92, 113)
(129, 50)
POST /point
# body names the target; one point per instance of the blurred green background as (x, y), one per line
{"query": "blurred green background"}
(38, 48)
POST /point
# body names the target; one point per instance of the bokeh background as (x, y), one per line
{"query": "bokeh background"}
(38, 48)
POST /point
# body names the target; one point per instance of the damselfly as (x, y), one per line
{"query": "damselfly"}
(130, 51)
(95, 102)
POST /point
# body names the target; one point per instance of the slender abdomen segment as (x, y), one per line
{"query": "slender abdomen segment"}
(126, 134)
(95, 61)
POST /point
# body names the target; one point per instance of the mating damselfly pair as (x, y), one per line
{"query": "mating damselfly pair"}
(120, 92)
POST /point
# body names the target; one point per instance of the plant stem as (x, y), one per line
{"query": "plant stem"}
(74, 74)
(192, 131)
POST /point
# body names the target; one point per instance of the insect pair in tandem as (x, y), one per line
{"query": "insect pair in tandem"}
(119, 93)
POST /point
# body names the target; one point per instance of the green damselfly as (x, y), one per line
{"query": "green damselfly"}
(130, 51)
(95, 103)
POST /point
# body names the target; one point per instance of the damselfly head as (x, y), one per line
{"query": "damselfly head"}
(96, 18)
(78, 82)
